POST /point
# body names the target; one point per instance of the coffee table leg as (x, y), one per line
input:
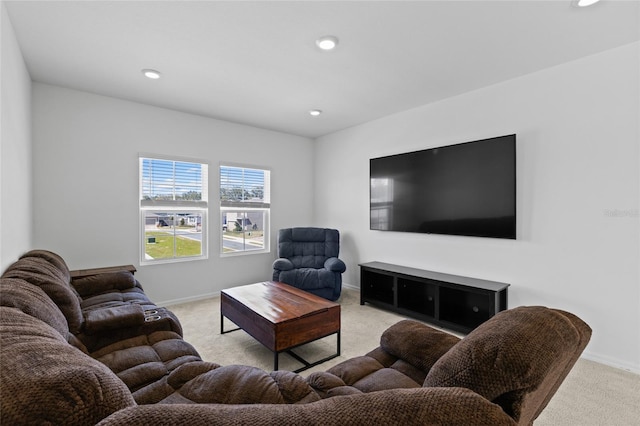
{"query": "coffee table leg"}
(306, 363)
(222, 326)
(275, 361)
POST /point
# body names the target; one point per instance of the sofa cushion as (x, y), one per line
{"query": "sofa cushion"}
(416, 343)
(293, 387)
(496, 358)
(40, 272)
(382, 356)
(367, 374)
(165, 389)
(32, 300)
(241, 384)
(409, 370)
(384, 379)
(323, 382)
(117, 298)
(143, 360)
(199, 382)
(47, 381)
(354, 369)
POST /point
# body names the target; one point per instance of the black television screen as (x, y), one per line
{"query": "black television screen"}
(464, 189)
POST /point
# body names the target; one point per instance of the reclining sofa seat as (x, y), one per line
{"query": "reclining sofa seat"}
(517, 360)
(308, 259)
(100, 308)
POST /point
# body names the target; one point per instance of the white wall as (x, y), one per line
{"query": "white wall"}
(86, 184)
(15, 147)
(578, 193)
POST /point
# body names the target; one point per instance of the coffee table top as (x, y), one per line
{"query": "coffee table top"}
(278, 302)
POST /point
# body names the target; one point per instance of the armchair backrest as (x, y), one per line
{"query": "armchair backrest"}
(308, 247)
(517, 359)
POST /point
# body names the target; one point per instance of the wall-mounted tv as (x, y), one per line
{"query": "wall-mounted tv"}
(463, 189)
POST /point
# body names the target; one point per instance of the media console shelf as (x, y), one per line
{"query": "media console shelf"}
(450, 301)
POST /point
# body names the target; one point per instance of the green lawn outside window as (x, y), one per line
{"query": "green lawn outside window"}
(163, 246)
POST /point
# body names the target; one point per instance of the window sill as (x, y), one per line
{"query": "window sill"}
(148, 262)
(244, 253)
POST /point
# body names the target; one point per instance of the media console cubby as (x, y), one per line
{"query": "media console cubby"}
(450, 301)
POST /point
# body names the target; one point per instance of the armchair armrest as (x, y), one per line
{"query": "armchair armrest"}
(335, 265)
(282, 264)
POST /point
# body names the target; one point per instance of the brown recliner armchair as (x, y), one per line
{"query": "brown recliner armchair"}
(517, 360)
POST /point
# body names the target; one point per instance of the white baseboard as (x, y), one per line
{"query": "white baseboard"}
(189, 299)
(217, 294)
(351, 287)
(615, 363)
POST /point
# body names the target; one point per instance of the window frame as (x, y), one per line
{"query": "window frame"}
(246, 206)
(174, 207)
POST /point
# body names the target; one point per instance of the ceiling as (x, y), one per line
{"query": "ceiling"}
(256, 62)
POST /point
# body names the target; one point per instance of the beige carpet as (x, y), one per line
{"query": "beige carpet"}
(592, 394)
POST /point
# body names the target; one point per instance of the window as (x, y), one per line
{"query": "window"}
(173, 210)
(244, 209)
(381, 191)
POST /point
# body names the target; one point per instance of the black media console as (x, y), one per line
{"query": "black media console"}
(449, 301)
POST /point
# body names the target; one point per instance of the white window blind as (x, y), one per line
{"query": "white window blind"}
(173, 209)
(244, 187)
(170, 182)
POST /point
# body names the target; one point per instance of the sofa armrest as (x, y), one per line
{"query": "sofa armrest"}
(81, 273)
(334, 264)
(115, 317)
(423, 406)
(282, 264)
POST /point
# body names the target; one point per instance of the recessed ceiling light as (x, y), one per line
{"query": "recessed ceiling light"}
(327, 42)
(585, 3)
(152, 74)
(315, 112)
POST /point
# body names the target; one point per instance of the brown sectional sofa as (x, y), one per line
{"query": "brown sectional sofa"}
(89, 347)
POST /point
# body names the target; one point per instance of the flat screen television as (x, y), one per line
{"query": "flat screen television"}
(464, 189)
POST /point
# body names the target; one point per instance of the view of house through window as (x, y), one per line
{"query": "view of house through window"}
(173, 209)
(244, 209)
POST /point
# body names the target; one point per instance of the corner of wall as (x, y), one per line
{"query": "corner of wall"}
(16, 222)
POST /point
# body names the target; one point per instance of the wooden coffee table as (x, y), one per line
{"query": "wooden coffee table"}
(281, 317)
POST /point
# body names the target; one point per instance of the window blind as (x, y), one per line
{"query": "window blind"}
(244, 187)
(173, 183)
